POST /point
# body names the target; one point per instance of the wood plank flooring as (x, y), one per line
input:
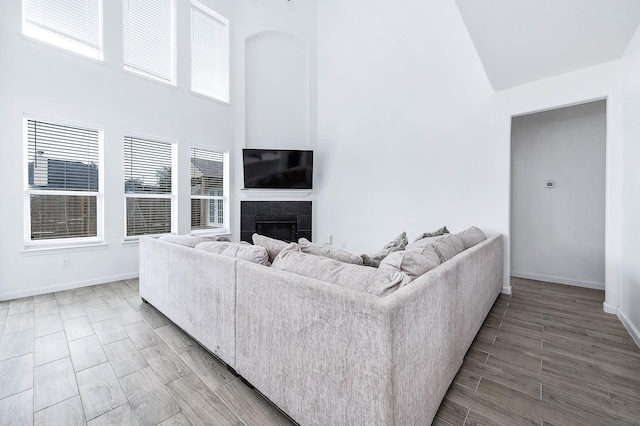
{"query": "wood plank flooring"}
(547, 355)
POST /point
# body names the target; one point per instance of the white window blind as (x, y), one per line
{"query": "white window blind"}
(63, 184)
(149, 38)
(208, 181)
(209, 53)
(74, 25)
(148, 186)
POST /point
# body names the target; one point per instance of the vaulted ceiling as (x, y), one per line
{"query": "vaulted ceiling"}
(520, 41)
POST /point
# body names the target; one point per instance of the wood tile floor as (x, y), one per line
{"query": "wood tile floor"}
(99, 356)
(547, 355)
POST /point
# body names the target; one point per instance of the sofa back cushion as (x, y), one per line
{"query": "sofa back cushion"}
(471, 236)
(244, 251)
(411, 263)
(435, 233)
(191, 240)
(307, 246)
(356, 277)
(445, 246)
(272, 245)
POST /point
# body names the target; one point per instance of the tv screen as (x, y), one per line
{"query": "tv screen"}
(277, 169)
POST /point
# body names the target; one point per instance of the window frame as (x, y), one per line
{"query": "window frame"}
(61, 242)
(173, 196)
(226, 227)
(57, 40)
(174, 61)
(194, 4)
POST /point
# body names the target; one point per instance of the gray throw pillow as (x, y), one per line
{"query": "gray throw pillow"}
(326, 251)
(242, 250)
(435, 233)
(397, 244)
(356, 277)
(206, 237)
(411, 263)
(471, 236)
(272, 245)
(214, 246)
(184, 240)
(446, 246)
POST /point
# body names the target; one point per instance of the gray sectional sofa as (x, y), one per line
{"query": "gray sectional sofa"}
(327, 354)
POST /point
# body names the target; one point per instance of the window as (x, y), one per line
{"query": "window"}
(75, 25)
(208, 189)
(148, 186)
(209, 53)
(149, 38)
(63, 200)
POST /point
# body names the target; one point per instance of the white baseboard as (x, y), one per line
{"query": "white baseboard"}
(559, 280)
(506, 290)
(609, 309)
(66, 286)
(632, 329)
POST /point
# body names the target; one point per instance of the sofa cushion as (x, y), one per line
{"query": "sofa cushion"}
(471, 236)
(188, 240)
(326, 251)
(214, 246)
(272, 245)
(446, 246)
(397, 244)
(245, 251)
(435, 233)
(356, 277)
(411, 263)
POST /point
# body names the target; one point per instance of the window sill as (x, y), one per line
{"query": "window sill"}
(37, 250)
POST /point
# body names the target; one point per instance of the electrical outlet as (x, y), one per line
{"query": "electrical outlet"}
(66, 263)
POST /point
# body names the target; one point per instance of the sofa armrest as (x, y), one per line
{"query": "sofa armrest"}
(195, 289)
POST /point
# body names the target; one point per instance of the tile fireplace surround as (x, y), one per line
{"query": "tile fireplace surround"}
(286, 220)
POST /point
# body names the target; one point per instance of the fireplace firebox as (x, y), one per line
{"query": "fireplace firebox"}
(283, 220)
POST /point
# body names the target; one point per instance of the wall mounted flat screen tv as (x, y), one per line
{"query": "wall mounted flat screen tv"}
(277, 169)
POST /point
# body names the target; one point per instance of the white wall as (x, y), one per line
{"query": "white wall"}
(275, 58)
(39, 79)
(407, 133)
(629, 311)
(557, 234)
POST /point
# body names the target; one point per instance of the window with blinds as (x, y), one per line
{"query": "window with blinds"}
(148, 186)
(149, 35)
(63, 196)
(75, 25)
(208, 180)
(209, 53)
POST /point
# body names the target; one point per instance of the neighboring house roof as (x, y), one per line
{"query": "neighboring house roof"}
(204, 167)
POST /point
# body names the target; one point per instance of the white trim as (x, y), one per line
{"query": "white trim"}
(609, 309)
(506, 290)
(558, 280)
(247, 192)
(67, 286)
(632, 329)
(37, 251)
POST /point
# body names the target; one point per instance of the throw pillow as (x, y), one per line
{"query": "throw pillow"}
(397, 244)
(356, 277)
(326, 251)
(435, 233)
(207, 237)
(242, 250)
(411, 263)
(446, 246)
(214, 246)
(272, 245)
(183, 240)
(471, 236)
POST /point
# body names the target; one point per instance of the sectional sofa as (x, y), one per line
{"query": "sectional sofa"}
(327, 354)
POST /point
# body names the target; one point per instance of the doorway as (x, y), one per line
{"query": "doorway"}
(558, 188)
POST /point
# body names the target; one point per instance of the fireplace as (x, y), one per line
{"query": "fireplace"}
(283, 220)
